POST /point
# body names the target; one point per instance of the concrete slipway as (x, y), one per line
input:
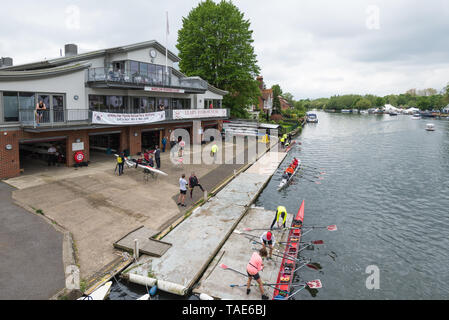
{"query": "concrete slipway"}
(197, 240)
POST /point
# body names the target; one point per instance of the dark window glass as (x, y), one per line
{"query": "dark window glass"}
(116, 103)
(97, 103)
(134, 67)
(152, 104)
(10, 106)
(58, 108)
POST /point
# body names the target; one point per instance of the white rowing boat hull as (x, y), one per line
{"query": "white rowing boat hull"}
(130, 163)
(286, 182)
(100, 293)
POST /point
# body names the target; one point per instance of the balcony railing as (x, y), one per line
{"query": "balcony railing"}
(107, 75)
(70, 117)
(29, 117)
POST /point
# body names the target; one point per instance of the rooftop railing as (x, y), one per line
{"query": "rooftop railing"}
(124, 78)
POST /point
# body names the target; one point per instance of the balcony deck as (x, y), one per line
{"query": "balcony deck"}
(106, 78)
(49, 119)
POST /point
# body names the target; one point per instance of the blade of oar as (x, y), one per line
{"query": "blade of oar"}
(308, 242)
(225, 267)
(314, 284)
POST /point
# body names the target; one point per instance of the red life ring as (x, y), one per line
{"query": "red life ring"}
(79, 157)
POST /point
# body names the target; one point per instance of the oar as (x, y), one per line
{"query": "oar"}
(330, 228)
(302, 176)
(225, 267)
(315, 284)
(308, 242)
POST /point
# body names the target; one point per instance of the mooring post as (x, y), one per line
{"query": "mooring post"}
(136, 249)
(205, 195)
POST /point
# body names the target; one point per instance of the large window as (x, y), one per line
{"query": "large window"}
(11, 106)
(180, 103)
(97, 103)
(116, 104)
(58, 108)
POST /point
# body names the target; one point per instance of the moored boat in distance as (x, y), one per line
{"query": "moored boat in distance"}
(346, 111)
(311, 117)
(416, 116)
(430, 127)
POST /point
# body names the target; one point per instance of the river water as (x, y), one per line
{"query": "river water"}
(386, 186)
(384, 181)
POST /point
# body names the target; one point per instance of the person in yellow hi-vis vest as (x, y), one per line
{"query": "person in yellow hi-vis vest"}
(213, 151)
(282, 141)
(280, 217)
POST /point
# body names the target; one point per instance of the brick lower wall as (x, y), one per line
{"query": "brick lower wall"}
(10, 159)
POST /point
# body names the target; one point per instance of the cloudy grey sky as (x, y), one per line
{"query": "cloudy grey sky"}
(311, 48)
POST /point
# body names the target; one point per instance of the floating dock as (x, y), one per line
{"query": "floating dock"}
(216, 282)
(197, 240)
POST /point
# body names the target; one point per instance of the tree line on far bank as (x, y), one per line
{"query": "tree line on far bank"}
(427, 99)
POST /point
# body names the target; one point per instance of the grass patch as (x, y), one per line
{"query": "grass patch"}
(39, 211)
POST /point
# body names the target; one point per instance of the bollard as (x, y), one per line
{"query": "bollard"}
(205, 195)
(136, 249)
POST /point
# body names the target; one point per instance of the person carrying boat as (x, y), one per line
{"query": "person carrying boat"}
(280, 217)
(267, 238)
(255, 265)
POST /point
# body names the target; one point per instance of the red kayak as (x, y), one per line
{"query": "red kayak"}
(286, 272)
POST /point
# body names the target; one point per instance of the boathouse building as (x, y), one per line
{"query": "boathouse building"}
(125, 98)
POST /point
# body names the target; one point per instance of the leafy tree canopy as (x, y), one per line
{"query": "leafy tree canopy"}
(215, 43)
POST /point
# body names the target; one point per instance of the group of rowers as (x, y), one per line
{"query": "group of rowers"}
(291, 169)
(266, 239)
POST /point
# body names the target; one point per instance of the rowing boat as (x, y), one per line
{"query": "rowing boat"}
(290, 146)
(288, 264)
(99, 294)
(285, 182)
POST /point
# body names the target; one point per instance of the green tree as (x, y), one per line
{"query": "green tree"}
(363, 104)
(215, 43)
(277, 91)
(289, 97)
(423, 103)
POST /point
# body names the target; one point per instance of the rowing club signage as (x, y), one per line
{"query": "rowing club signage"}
(199, 113)
(127, 118)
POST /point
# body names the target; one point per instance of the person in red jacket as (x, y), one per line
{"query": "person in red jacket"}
(255, 265)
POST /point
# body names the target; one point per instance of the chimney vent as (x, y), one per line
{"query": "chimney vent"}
(71, 50)
(6, 62)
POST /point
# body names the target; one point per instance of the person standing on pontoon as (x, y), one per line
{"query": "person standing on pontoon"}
(267, 238)
(255, 265)
(280, 217)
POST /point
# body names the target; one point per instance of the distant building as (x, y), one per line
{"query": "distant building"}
(446, 109)
(285, 105)
(265, 100)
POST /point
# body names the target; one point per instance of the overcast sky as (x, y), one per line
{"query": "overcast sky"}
(310, 48)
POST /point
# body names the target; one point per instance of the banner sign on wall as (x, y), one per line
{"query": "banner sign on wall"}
(127, 118)
(199, 113)
(159, 89)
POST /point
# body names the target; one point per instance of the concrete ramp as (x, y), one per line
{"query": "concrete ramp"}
(147, 245)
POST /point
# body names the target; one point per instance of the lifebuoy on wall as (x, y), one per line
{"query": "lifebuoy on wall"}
(79, 157)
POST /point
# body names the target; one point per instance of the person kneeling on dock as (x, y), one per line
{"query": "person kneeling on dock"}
(252, 269)
(281, 213)
(268, 238)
